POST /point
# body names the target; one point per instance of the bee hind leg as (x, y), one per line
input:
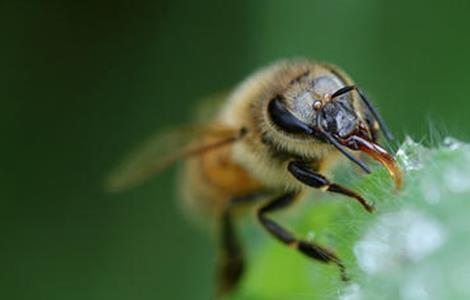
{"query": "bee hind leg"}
(231, 262)
(309, 249)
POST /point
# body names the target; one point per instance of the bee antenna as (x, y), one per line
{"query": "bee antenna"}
(340, 148)
(387, 133)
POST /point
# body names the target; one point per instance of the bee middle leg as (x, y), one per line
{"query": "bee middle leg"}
(304, 174)
(309, 249)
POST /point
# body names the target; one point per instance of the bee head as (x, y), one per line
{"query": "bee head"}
(332, 118)
(317, 102)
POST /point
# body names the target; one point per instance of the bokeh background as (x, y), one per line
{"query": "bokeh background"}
(84, 81)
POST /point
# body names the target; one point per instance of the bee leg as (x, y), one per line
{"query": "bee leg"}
(231, 265)
(304, 174)
(231, 262)
(309, 249)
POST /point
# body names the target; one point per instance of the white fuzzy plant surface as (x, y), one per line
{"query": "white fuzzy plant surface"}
(416, 246)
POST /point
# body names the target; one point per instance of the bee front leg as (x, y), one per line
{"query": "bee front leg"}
(304, 174)
(309, 249)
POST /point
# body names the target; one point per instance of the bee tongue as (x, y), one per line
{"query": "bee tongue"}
(378, 153)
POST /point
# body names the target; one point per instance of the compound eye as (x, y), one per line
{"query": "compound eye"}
(284, 119)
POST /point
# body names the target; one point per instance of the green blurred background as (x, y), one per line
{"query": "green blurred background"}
(84, 81)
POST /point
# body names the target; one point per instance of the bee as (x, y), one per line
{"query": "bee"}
(273, 139)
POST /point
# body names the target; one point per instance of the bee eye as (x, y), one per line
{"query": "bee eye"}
(284, 119)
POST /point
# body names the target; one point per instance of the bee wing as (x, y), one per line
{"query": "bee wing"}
(164, 149)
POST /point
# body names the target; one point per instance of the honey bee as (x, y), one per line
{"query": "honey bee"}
(274, 138)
